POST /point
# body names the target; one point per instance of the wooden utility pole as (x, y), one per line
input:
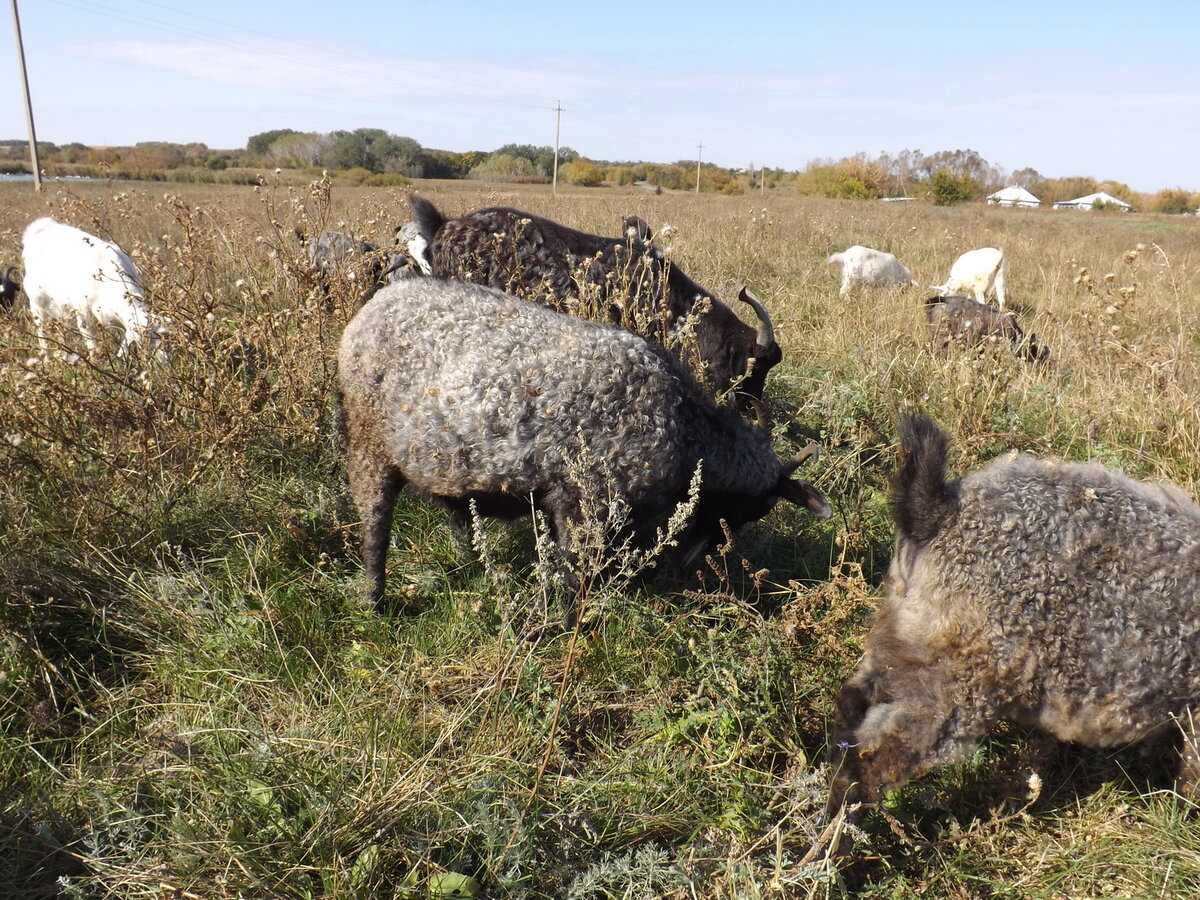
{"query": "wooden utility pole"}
(699, 150)
(558, 111)
(33, 154)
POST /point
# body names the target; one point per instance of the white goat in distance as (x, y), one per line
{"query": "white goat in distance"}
(69, 272)
(977, 273)
(863, 265)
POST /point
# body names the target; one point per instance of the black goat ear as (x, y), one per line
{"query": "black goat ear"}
(804, 494)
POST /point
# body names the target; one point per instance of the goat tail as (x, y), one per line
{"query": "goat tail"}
(922, 500)
(427, 216)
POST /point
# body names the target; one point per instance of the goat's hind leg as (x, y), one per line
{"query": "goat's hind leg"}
(374, 484)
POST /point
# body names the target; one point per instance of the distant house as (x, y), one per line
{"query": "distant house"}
(1014, 196)
(1091, 201)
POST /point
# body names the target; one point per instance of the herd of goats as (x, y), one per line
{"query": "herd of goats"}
(1062, 595)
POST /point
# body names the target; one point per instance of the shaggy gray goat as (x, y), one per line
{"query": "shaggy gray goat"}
(971, 322)
(543, 261)
(333, 252)
(470, 394)
(330, 251)
(1064, 596)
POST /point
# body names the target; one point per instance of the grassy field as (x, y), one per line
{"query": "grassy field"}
(194, 701)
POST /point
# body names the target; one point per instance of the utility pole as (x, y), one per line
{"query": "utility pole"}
(699, 150)
(37, 168)
(762, 180)
(558, 111)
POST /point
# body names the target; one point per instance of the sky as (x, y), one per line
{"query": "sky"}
(1066, 87)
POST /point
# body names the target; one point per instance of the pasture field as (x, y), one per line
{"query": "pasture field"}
(194, 701)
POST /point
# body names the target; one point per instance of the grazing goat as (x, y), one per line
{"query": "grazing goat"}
(469, 394)
(977, 273)
(636, 229)
(70, 272)
(409, 234)
(330, 251)
(862, 265)
(9, 288)
(546, 262)
(971, 322)
(1064, 596)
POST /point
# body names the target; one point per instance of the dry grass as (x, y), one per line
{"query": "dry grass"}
(191, 694)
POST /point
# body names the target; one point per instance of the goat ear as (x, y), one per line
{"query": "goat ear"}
(804, 494)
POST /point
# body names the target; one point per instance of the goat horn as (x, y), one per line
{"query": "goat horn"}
(766, 331)
(760, 411)
(810, 451)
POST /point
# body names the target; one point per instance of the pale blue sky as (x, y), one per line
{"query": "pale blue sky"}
(1105, 89)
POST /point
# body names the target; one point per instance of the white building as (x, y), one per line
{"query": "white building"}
(1091, 201)
(1014, 196)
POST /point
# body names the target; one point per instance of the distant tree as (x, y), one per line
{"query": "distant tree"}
(1170, 200)
(298, 149)
(947, 188)
(346, 150)
(622, 175)
(472, 158)
(1068, 188)
(153, 155)
(581, 171)
(503, 167)
(1030, 179)
(446, 164)
(1117, 189)
(258, 144)
(542, 158)
(400, 155)
(853, 177)
(966, 165)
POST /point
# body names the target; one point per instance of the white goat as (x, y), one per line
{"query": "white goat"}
(70, 272)
(862, 265)
(977, 273)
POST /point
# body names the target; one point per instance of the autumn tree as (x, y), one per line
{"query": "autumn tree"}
(1170, 200)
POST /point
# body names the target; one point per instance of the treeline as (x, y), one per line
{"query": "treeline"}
(374, 156)
(957, 176)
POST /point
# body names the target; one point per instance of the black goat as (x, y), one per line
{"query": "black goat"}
(541, 260)
(9, 287)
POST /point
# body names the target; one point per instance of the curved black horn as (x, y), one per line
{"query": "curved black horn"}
(810, 451)
(760, 410)
(766, 331)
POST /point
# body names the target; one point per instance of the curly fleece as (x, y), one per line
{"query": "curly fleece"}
(469, 393)
(1062, 595)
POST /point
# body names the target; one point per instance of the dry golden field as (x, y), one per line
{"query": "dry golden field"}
(195, 703)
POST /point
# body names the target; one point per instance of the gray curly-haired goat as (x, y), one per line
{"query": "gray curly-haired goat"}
(1064, 596)
(470, 394)
(544, 261)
